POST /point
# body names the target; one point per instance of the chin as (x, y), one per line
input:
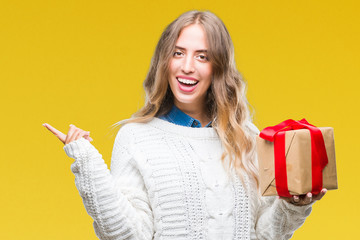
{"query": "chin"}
(185, 99)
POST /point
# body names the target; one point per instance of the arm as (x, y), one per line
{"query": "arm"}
(117, 201)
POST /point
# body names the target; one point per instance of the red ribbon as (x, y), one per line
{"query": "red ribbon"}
(319, 158)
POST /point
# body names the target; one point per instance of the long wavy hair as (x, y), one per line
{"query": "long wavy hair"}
(226, 101)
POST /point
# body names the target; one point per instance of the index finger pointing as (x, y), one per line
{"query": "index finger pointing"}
(56, 132)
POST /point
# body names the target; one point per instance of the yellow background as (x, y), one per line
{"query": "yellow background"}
(83, 62)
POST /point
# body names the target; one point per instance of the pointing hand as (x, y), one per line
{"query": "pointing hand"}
(73, 134)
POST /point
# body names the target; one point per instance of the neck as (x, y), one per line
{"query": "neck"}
(197, 112)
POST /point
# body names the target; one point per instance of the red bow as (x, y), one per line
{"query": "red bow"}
(319, 158)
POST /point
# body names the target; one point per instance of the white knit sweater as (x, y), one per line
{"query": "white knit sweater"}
(167, 182)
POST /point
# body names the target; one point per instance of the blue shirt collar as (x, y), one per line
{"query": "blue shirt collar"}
(176, 116)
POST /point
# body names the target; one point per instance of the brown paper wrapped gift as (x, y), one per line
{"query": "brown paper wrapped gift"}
(298, 162)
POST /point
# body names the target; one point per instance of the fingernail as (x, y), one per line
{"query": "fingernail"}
(309, 195)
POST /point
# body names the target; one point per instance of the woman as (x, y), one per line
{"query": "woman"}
(184, 167)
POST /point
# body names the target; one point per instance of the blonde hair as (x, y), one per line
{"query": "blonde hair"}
(226, 101)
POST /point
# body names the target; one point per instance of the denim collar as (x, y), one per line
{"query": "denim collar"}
(176, 116)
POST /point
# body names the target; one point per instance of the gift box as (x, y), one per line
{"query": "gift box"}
(295, 158)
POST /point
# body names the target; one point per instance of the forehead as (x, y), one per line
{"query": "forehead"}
(192, 37)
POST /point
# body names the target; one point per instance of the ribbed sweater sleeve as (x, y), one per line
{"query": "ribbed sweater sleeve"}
(117, 200)
(278, 219)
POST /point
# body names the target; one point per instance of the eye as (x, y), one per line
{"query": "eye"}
(202, 57)
(177, 54)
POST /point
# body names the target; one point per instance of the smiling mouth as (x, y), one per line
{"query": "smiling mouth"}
(187, 82)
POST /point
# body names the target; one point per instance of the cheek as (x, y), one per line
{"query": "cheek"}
(173, 66)
(207, 72)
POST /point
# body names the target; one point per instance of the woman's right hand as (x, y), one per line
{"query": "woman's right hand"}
(73, 134)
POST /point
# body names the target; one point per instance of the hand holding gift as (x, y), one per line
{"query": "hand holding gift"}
(301, 200)
(296, 161)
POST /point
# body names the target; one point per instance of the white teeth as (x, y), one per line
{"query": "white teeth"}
(186, 81)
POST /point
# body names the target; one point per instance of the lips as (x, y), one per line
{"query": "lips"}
(187, 84)
(187, 81)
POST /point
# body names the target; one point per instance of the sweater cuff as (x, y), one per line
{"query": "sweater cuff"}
(78, 147)
(302, 210)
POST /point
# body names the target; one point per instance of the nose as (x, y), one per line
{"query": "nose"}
(188, 64)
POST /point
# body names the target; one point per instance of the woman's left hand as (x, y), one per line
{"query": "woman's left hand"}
(301, 200)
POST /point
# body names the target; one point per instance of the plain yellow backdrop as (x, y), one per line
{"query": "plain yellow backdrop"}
(83, 62)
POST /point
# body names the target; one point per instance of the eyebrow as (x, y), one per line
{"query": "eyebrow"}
(200, 50)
